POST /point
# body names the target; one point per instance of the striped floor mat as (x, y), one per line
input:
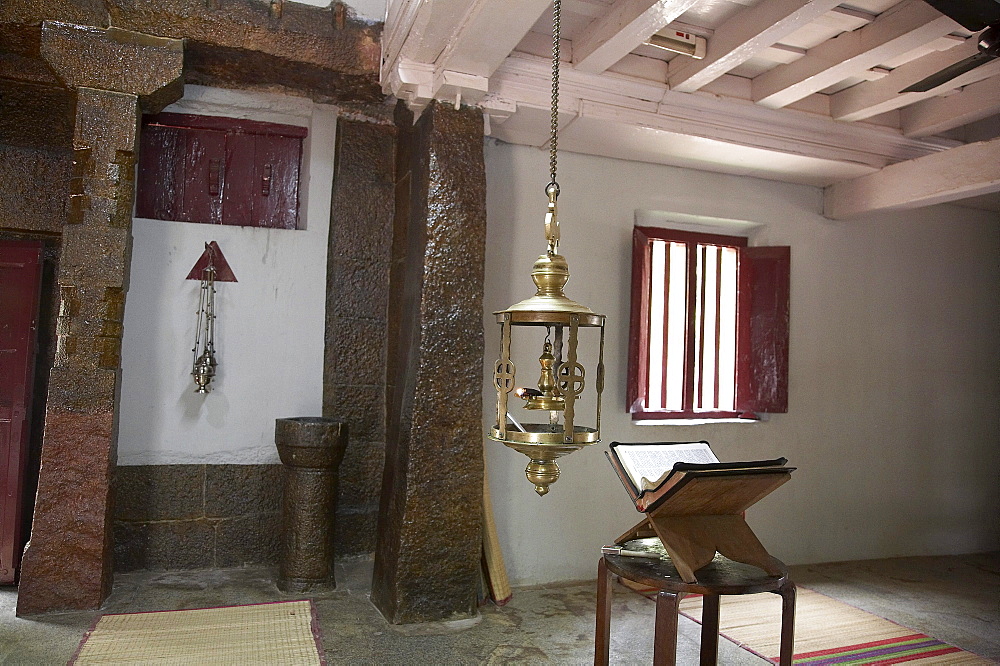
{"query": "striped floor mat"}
(276, 633)
(827, 631)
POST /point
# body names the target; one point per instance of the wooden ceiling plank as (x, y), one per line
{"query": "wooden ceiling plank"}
(874, 97)
(745, 35)
(489, 32)
(958, 173)
(940, 114)
(629, 23)
(902, 28)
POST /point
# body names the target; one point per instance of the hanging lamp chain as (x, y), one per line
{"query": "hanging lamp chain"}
(552, 189)
(554, 119)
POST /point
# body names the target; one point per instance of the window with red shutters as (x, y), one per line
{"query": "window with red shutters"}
(709, 326)
(217, 170)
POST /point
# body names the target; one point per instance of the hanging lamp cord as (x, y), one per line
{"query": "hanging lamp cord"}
(554, 119)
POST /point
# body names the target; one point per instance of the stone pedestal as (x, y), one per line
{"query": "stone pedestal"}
(311, 450)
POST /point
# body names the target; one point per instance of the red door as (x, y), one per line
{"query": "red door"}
(20, 280)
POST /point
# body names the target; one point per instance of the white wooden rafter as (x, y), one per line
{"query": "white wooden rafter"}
(745, 35)
(940, 114)
(958, 173)
(447, 49)
(901, 29)
(627, 25)
(525, 81)
(874, 97)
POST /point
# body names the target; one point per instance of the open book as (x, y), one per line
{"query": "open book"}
(651, 472)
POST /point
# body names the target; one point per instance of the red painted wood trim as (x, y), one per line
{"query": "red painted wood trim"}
(657, 233)
(20, 277)
(718, 325)
(770, 269)
(638, 342)
(666, 325)
(224, 124)
(687, 404)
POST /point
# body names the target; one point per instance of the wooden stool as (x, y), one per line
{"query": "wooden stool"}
(721, 576)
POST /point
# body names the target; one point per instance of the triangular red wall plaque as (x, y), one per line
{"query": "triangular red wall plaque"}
(223, 273)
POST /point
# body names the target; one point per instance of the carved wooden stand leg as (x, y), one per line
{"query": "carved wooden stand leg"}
(665, 633)
(602, 641)
(787, 592)
(710, 629)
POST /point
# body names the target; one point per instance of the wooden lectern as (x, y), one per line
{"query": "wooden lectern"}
(704, 514)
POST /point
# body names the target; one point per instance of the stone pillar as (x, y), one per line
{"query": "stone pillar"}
(357, 296)
(429, 542)
(68, 562)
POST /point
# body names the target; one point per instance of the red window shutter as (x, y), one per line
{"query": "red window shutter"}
(219, 171)
(762, 380)
(237, 207)
(204, 176)
(161, 172)
(276, 201)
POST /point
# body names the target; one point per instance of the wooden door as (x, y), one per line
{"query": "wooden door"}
(20, 281)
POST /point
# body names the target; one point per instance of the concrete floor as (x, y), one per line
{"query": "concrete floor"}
(955, 599)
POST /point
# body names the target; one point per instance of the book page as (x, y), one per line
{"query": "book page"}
(648, 465)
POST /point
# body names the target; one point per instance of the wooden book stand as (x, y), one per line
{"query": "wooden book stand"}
(705, 515)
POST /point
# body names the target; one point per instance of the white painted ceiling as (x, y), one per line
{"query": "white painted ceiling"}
(802, 91)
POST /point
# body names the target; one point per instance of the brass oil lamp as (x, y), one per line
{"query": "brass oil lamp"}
(563, 378)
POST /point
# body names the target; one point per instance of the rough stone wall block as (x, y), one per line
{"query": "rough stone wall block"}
(429, 541)
(68, 562)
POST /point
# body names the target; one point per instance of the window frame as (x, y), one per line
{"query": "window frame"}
(761, 383)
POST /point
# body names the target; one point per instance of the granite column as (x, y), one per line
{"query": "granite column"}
(68, 562)
(429, 539)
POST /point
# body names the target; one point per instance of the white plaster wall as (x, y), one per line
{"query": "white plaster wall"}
(894, 401)
(270, 323)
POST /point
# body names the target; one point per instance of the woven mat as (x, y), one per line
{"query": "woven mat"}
(827, 631)
(275, 633)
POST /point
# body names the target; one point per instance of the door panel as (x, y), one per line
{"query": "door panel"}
(20, 281)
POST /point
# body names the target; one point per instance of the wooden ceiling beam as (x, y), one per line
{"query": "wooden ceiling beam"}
(745, 35)
(958, 173)
(450, 48)
(903, 28)
(611, 37)
(489, 32)
(871, 98)
(940, 114)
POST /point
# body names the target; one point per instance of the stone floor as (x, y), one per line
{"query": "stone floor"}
(955, 599)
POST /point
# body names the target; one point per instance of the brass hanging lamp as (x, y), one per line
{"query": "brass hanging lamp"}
(562, 386)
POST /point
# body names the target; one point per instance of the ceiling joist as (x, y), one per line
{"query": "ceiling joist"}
(958, 173)
(745, 35)
(874, 97)
(611, 37)
(940, 114)
(901, 29)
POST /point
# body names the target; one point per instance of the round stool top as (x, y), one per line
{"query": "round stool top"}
(721, 576)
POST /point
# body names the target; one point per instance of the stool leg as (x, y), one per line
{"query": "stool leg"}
(665, 633)
(710, 630)
(787, 592)
(602, 641)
